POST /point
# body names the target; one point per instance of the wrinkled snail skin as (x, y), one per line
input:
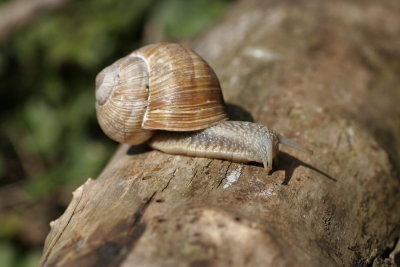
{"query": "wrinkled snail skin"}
(237, 141)
(168, 95)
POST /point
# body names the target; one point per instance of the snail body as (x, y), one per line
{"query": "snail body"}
(169, 96)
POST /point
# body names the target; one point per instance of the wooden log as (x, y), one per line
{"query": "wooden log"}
(324, 73)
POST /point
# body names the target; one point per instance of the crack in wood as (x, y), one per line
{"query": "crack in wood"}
(193, 176)
(224, 177)
(51, 246)
(138, 227)
(172, 177)
(227, 169)
(208, 164)
(137, 216)
(386, 255)
(114, 251)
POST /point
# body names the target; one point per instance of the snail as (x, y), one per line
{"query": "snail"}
(169, 96)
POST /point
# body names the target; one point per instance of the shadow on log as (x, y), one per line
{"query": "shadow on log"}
(323, 73)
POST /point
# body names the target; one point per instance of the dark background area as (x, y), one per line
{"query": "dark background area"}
(50, 141)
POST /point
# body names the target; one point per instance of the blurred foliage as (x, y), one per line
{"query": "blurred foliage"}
(50, 138)
(181, 19)
(9, 256)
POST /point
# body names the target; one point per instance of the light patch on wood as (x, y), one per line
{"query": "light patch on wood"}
(269, 192)
(262, 53)
(233, 176)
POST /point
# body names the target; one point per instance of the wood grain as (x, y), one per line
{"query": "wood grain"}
(324, 73)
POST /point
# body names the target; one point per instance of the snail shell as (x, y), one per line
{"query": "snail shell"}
(169, 87)
(157, 87)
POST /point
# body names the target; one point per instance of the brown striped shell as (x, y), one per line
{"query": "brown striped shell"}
(157, 87)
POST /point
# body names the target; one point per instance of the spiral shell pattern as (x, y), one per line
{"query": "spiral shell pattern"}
(157, 87)
(121, 100)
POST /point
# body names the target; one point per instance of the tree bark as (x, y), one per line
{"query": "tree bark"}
(323, 73)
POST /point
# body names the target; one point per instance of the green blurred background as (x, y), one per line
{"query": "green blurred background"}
(50, 141)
